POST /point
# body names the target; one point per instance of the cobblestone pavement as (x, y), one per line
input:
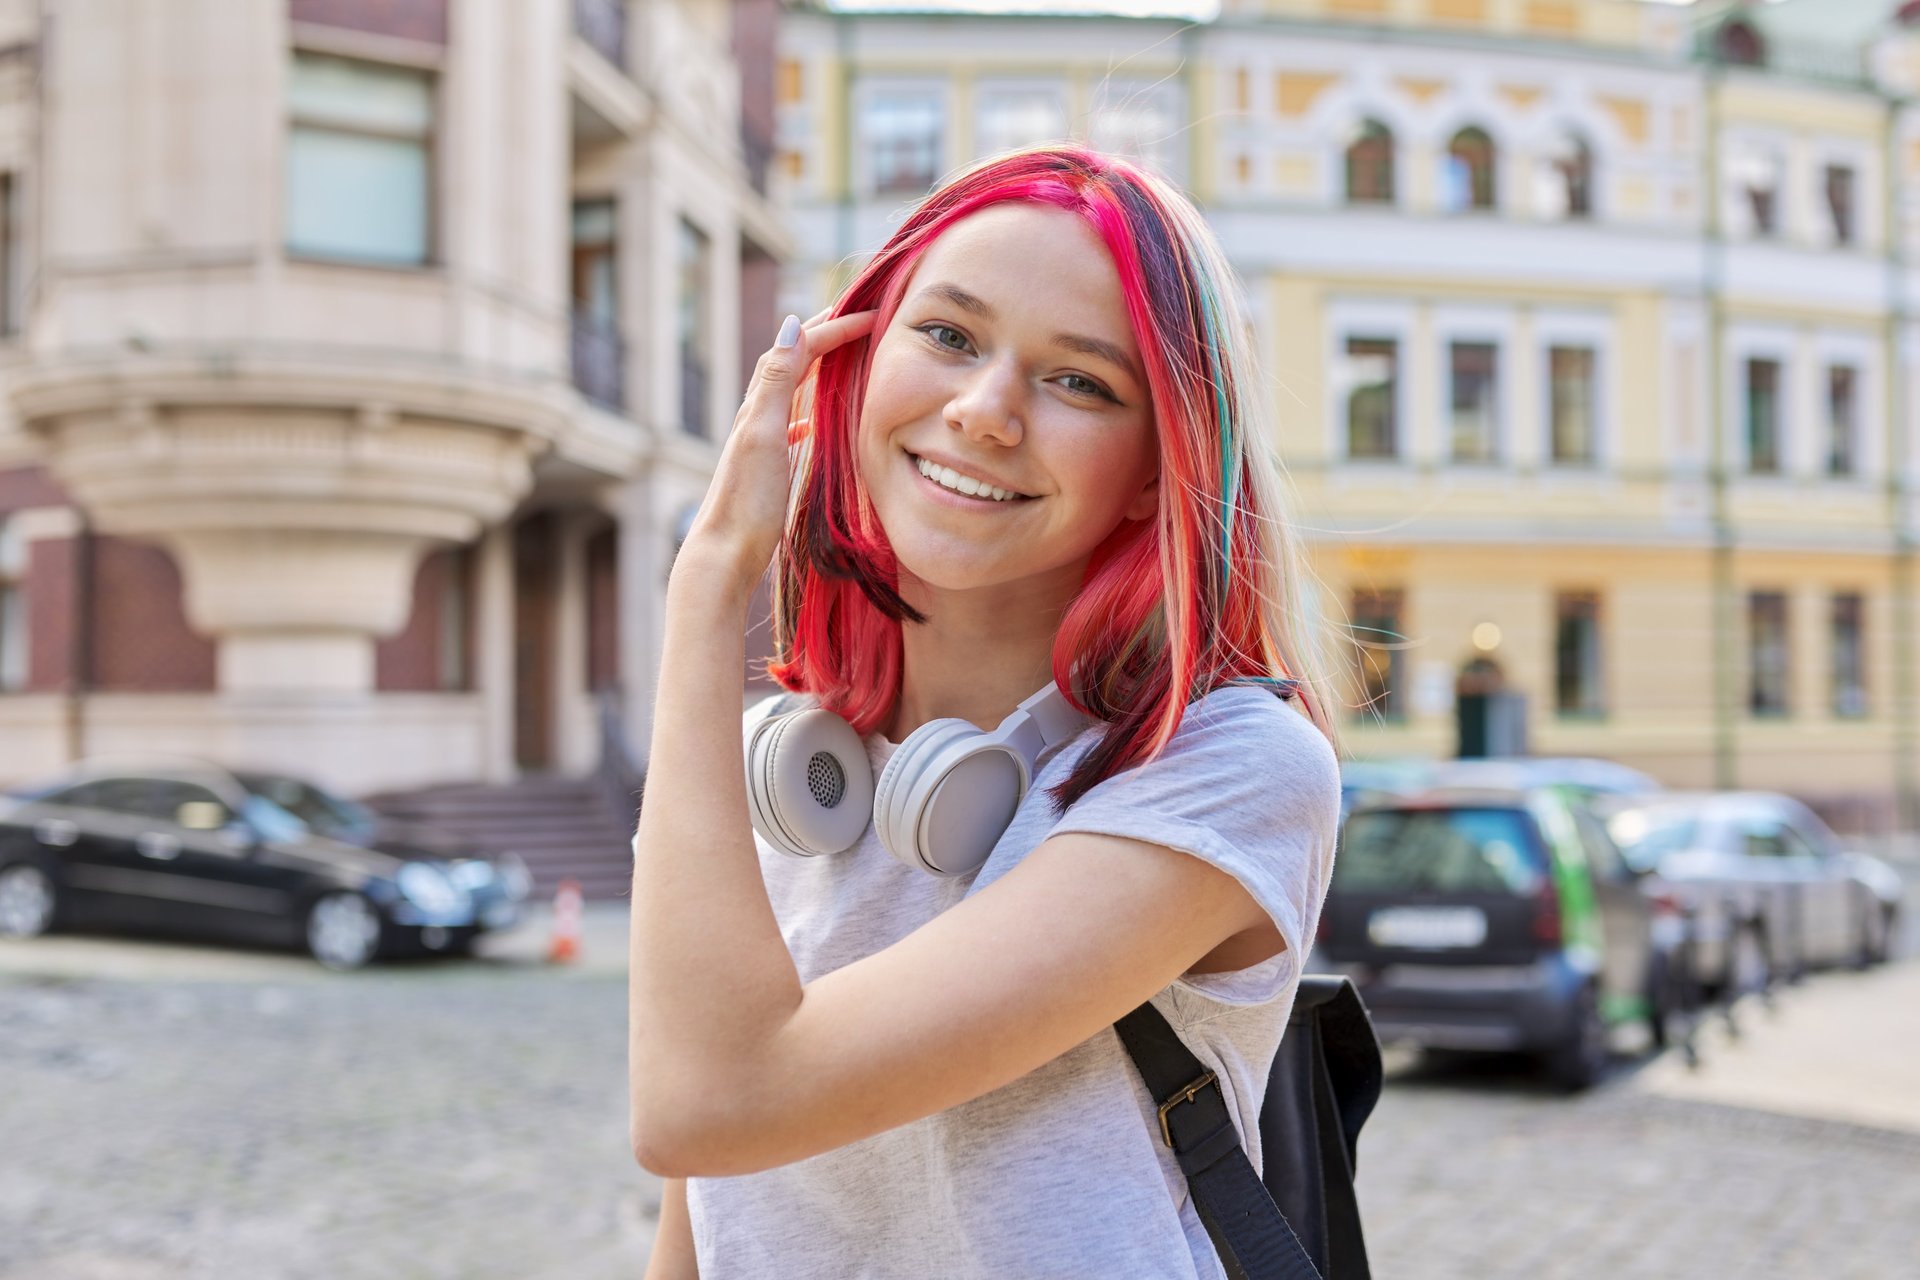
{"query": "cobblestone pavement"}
(467, 1121)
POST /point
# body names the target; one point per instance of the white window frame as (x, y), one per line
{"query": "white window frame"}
(869, 88)
(1493, 325)
(1762, 343)
(1352, 318)
(1575, 329)
(984, 90)
(1859, 157)
(1862, 352)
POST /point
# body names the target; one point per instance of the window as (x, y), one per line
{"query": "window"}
(1757, 175)
(1378, 644)
(1570, 410)
(1563, 179)
(1842, 416)
(359, 161)
(1763, 416)
(11, 277)
(1466, 182)
(13, 608)
(1840, 201)
(1849, 654)
(693, 325)
(1370, 165)
(1372, 368)
(1012, 118)
(597, 355)
(1474, 427)
(1739, 42)
(903, 132)
(1135, 120)
(1767, 655)
(1576, 654)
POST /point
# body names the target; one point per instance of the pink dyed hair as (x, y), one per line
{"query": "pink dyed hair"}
(1203, 594)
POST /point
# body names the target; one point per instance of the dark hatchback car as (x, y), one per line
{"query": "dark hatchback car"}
(192, 849)
(1496, 920)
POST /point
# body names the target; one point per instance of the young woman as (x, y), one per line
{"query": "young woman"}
(1033, 454)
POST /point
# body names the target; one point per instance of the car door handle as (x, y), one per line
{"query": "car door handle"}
(57, 832)
(154, 844)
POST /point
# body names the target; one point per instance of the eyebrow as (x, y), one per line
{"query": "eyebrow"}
(1099, 348)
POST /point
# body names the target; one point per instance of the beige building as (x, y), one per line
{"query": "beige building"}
(358, 364)
(1587, 324)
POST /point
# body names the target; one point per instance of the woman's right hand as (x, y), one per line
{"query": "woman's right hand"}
(741, 520)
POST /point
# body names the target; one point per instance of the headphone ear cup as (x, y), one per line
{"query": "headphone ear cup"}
(809, 783)
(943, 805)
(909, 758)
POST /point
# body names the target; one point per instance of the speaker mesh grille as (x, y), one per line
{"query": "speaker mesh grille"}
(826, 780)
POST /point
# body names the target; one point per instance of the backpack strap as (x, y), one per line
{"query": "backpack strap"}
(1253, 1237)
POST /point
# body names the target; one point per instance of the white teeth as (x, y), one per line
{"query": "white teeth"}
(948, 478)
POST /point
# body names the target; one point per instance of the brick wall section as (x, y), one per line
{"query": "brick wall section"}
(141, 640)
(22, 487)
(411, 19)
(51, 614)
(410, 661)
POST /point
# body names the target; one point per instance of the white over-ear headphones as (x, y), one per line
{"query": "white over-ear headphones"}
(941, 802)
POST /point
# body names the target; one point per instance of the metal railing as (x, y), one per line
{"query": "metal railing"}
(599, 360)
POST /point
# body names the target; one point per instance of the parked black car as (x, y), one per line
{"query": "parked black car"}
(190, 848)
(1497, 919)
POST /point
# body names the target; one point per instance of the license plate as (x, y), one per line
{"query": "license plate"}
(1427, 928)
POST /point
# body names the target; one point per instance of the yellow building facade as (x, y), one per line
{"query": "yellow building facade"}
(1586, 328)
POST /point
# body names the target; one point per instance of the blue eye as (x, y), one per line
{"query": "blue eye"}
(929, 330)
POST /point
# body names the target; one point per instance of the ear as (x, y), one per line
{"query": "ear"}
(1147, 501)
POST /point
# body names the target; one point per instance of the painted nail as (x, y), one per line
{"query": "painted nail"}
(789, 332)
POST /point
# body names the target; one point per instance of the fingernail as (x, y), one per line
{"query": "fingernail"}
(789, 332)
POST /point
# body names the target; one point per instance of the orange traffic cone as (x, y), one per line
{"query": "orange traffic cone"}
(565, 948)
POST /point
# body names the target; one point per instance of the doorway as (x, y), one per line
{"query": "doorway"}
(535, 579)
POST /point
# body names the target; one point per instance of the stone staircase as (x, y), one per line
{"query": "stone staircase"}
(561, 827)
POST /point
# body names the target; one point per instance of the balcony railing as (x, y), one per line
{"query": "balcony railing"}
(693, 393)
(599, 360)
(603, 24)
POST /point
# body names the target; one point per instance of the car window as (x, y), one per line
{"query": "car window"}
(1762, 837)
(1443, 850)
(168, 795)
(1645, 836)
(1603, 856)
(115, 795)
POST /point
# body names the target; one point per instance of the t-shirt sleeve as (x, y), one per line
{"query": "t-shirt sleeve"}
(1249, 784)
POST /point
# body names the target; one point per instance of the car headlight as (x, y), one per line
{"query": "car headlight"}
(428, 888)
(514, 875)
(472, 874)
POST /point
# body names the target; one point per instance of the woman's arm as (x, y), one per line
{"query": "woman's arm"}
(672, 1257)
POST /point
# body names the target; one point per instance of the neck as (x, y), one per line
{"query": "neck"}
(981, 653)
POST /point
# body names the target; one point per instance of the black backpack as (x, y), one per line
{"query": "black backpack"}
(1301, 1221)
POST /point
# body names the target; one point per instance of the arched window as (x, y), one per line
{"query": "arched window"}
(1563, 179)
(1468, 182)
(1738, 42)
(1370, 165)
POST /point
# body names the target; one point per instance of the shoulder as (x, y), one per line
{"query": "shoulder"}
(1247, 732)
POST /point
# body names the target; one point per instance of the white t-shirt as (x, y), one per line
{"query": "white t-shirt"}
(1061, 1173)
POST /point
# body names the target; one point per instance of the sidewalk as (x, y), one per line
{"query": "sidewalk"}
(1839, 1046)
(603, 953)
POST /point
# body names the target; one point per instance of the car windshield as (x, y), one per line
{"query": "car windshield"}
(270, 820)
(1437, 850)
(320, 810)
(1645, 836)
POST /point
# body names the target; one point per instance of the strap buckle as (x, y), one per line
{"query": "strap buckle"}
(1186, 1093)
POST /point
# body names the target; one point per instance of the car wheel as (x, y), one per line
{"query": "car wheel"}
(343, 931)
(1889, 931)
(28, 901)
(1581, 1060)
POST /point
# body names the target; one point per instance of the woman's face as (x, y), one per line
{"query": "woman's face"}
(1011, 362)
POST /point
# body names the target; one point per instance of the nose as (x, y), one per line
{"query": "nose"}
(988, 405)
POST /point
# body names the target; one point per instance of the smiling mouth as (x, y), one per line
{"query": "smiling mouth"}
(965, 486)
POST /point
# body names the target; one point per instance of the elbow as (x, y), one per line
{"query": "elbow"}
(694, 1132)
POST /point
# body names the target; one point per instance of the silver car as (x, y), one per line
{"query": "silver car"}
(1799, 897)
